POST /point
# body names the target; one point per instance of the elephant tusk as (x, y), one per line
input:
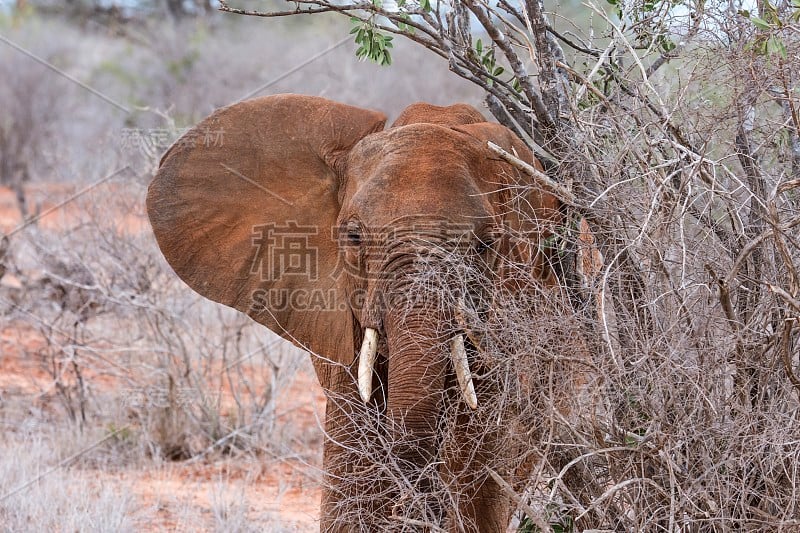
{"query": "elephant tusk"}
(461, 319)
(459, 355)
(366, 360)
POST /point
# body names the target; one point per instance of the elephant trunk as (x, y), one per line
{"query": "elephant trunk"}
(424, 345)
(418, 346)
(458, 355)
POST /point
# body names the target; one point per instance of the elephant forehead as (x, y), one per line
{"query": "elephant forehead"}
(393, 194)
(405, 190)
(418, 170)
(421, 142)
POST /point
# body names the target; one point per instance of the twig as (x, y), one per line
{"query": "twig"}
(223, 6)
(542, 179)
(789, 185)
(788, 298)
(529, 512)
(786, 356)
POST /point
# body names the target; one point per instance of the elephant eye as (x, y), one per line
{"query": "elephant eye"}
(354, 238)
(353, 235)
(484, 244)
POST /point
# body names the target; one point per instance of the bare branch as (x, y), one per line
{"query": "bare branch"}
(541, 178)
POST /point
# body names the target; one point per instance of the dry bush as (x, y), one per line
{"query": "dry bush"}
(686, 358)
(667, 400)
(597, 422)
(36, 108)
(185, 375)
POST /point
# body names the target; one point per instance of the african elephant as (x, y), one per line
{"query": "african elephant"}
(314, 220)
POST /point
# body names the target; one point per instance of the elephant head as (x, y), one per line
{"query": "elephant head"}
(314, 220)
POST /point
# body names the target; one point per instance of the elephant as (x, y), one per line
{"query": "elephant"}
(318, 221)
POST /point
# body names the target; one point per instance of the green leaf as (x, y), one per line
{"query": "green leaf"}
(498, 71)
(372, 43)
(488, 60)
(760, 23)
(666, 43)
(479, 46)
(775, 45)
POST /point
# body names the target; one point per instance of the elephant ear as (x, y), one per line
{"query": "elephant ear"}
(531, 216)
(243, 206)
